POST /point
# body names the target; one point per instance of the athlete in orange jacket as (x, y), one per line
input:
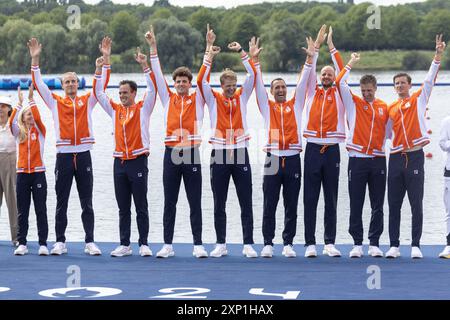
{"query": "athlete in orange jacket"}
(324, 130)
(183, 116)
(367, 119)
(229, 157)
(131, 135)
(283, 122)
(406, 162)
(26, 125)
(74, 139)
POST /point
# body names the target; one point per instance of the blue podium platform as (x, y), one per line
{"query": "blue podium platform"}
(234, 277)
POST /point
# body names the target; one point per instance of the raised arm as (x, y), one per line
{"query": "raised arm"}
(105, 50)
(99, 93)
(203, 77)
(343, 87)
(302, 84)
(12, 121)
(432, 74)
(262, 98)
(335, 55)
(35, 111)
(161, 84)
(35, 51)
(150, 92)
(249, 82)
(312, 80)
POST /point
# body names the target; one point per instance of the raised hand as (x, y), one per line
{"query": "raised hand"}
(355, 57)
(330, 38)
(311, 48)
(321, 36)
(214, 51)
(210, 36)
(35, 48)
(140, 57)
(440, 45)
(150, 37)
(105, 46)
(30, 91)
(234, 46)
(253, 47)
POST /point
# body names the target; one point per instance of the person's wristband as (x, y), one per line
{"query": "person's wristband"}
(240, 50)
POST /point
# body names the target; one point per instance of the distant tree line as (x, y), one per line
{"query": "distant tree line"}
(281, 26)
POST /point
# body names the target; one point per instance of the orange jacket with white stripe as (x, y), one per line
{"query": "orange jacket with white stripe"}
(72, 118)
(183, 115)
(324, 109)
(31, 151)
(131, 124)
(408, 115)
(367, 121)
(228, 115)
(283, 121)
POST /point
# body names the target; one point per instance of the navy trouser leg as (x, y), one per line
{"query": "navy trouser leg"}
(396, 193)
(64, 172)
(85, 183)
(172, 173)
(377, 188)
(39, 192)
(330, 184)
(122, 188)
(415, 178)
(220, 179)
(137, 171)
(242, 177)
(291, 190)
(272, 181)
(311, 189)
(358, 176)
(192, 177)
(23, 194)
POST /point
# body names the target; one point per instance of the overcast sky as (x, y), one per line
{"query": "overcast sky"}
(234, 3)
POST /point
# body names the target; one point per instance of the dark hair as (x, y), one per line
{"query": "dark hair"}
(276, 79)
(368, 79)
(131, 83)
(182, 72)
(398, 75)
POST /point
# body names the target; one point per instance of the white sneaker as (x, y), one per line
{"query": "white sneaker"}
(446, 253)
(21, 250)
(144, 251)
(288, 251)
(330, 250)
(122, 251)
(219, 250)
(393, 252)
(59, 248)
(375, 252)
(166, 251)
(267, 251)
(356, 252)
(92, 249)
(311, 251)
(248, 251)
(199, 252)
(416, 253)
(43, 251)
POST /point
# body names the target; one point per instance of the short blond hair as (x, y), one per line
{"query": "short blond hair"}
(71, 73)
(228, 74)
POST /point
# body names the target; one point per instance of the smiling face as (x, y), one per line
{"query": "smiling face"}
(278, 89)
(229, 87)
(127, 95)
(182, 85)
(368, 91)
(402, 85)
(327, 76)
(27, 118)
(69, 84)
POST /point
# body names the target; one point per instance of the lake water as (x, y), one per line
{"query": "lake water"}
(105, 207)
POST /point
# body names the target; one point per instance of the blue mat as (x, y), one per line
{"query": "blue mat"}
(79, 276)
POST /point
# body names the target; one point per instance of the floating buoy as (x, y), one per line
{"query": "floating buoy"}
(429, 131)
(429, 155)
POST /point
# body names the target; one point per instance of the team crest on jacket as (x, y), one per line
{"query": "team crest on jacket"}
(189, 101)
(131, 114)
(366, 108)
(288, 109)
(407, 105)
(33, 136)
(80, 103)
(380, 111)
(330, 98)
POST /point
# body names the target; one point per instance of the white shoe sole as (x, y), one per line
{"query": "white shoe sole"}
(122, 255)
(43, 253)
(392, 257)
(148, 254)
(21, 253)
(53, 253)
(218, 256)
(311, 255)
(250, 256)
(200, 256)
(289, 255)
(330, 255)
(92, 253)
(165, 255)
(355, 256)
(266, 255)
